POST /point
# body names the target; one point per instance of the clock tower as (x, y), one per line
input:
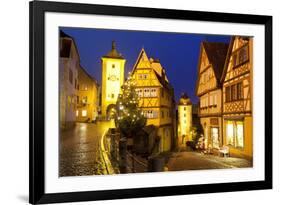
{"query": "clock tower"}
(113, 65)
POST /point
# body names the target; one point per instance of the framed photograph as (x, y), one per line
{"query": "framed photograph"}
(132, 102)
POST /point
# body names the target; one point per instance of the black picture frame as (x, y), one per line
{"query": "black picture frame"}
(37, 194)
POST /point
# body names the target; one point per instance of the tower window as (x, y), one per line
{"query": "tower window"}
(112, 95)
(113, 65)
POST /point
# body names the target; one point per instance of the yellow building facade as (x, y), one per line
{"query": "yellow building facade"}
(184, 120)
(210, 67)
(88, 97)
(237, 97)
(68, 80)
(156, 98)
(113, 65)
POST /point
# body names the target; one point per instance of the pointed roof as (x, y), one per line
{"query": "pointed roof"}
(184, 100)
(65, 52)
(113, 53)
(142, 61)
(216, 53)
(64, 35)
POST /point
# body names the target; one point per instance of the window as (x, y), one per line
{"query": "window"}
(70, 76)
(211, 100)
(146, 92)
(150, 114)
(84, 99)
(84, 113)
(239, 91)
(153, 92)
(227, 94)
(234, 92)
(184, 108)
(235, 133)
(215, 137)
(162, 93)
(112, 95)
(162, 114)
(143, 76)
(234, 59)
(215, 100)
(113, 65)
(77, 113)
(139, 92)
(184, 115)
(240, 56)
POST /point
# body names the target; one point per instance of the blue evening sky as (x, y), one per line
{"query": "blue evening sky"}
(178, 53)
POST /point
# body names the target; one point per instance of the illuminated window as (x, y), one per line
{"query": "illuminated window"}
(239, 134)
(77, 113)
(84, 99)
(150, 114)
(84, 113)
(146, 92)
(230, 133)
(153, 92)
(235, 133)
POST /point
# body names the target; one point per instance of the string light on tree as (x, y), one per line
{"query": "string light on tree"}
(129, 118)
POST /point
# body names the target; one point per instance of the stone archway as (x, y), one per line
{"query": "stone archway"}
(111, 111)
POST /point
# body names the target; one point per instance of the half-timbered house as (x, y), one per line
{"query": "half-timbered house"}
(237, 97)
(208, 89)
(156, 98)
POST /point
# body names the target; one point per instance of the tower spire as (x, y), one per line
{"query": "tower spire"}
(113, 45)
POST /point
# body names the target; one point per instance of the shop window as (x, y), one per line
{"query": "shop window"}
(84, 113)
(235, 133)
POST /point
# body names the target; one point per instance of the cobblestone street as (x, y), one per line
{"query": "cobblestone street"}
(197, 161)
(80, 149)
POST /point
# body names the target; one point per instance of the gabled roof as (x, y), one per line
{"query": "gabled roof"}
(64, 35)
(142, 56)
(66, 51)
(144, 62)
(113, 53)
(216, 53)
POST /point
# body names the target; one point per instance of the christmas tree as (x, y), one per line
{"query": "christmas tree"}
(129, 117)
